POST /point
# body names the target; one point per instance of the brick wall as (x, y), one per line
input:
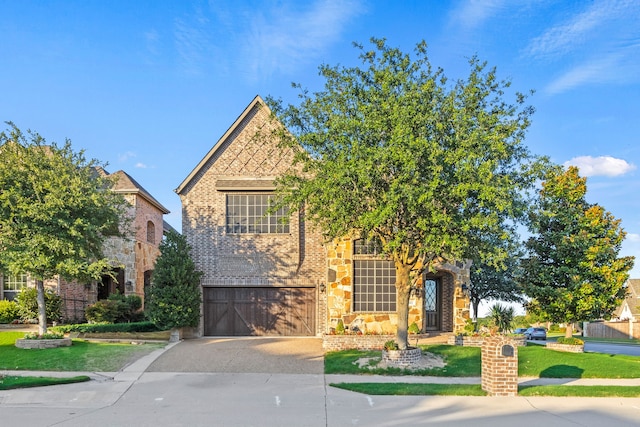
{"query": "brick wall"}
(286, 259)
(500, 366)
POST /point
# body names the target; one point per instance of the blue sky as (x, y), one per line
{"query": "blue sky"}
(150, 86)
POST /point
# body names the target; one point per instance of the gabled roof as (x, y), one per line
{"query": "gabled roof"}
(125, 184)
(256, 101)
(633, 296)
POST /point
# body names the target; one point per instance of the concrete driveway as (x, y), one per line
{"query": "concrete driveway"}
(248, 355)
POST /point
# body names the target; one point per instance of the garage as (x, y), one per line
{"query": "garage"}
(268, 311)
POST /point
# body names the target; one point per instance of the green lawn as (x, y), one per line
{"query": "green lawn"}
(405, 389)
(534, 361)
(82, 356)
(10, 382)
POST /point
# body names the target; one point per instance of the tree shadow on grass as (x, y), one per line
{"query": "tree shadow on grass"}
(562, 371)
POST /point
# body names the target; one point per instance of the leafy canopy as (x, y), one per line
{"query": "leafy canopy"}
(392, 151)
(55, 209)
(572, 270)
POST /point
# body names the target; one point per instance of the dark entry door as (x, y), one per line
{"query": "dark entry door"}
(432, 290)
(259, 311)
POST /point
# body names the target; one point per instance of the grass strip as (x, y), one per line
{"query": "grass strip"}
(11, 382)
(412, 389)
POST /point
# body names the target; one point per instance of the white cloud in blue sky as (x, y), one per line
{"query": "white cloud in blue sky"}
(597, 59)
(600, 166)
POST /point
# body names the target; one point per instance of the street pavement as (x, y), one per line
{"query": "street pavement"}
(198, 383)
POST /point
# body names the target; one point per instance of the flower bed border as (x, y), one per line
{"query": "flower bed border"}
(42, 344)
(471, 341)
(361, 342)
(568, 348)
(402, 358)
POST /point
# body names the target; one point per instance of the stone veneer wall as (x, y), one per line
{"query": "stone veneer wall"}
(291, 259)
(455, 305)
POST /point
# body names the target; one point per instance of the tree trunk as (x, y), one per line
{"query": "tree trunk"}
(403, 293)
(42, 308)
(475, 303)
(569, 331)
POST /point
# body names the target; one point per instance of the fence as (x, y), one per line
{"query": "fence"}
(624, 329)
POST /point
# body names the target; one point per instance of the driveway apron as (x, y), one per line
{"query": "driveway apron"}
(272, 355)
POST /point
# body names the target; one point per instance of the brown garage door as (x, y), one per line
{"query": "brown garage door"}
(259, 311)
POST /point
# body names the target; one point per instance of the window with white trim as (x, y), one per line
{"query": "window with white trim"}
(13, 285)
(249, 214)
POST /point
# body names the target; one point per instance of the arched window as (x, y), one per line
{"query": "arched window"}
(151, 232)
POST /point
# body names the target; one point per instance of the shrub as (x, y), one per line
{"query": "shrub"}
(107, 327)
(391, 345)
(116, 309)
(340, 327)
(28, 304)
(570, 341)
(47, 336)
(413, 328)
(8, 311)
(502, 317)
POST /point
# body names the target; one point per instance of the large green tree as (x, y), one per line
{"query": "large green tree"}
(572, 270)
(56, 211)
(174, 295)
(393, 151)
(496, 281)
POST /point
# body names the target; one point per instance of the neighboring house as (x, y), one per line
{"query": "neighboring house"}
(134, 257)
(266, 277)
(630, 307)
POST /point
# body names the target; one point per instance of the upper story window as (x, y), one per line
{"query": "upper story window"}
(247, 213)
(151, 232)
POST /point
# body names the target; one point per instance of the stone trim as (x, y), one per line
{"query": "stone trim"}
(42, 344)
(402, 358)
(569, 348)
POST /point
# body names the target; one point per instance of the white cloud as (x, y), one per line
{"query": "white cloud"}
(601, 43)
(633, 237)
(565, 37)
(600, 166)
(141, 165)
(126, 156)
(473, 14)
(280, 38)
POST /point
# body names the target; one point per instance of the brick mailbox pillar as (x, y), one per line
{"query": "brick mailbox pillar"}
(500, 366)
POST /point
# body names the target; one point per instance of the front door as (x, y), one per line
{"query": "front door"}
(432, 290)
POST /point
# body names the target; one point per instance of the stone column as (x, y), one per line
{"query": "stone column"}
(500, 366)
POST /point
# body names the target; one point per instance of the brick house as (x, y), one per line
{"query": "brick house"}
(133, 257)
(263, 276)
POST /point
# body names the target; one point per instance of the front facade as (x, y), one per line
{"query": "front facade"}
(267, 276)
(133, 257)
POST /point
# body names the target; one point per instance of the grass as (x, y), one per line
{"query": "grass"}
(10, 381)
(82, 356)
(404, 389)
(533, 361)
